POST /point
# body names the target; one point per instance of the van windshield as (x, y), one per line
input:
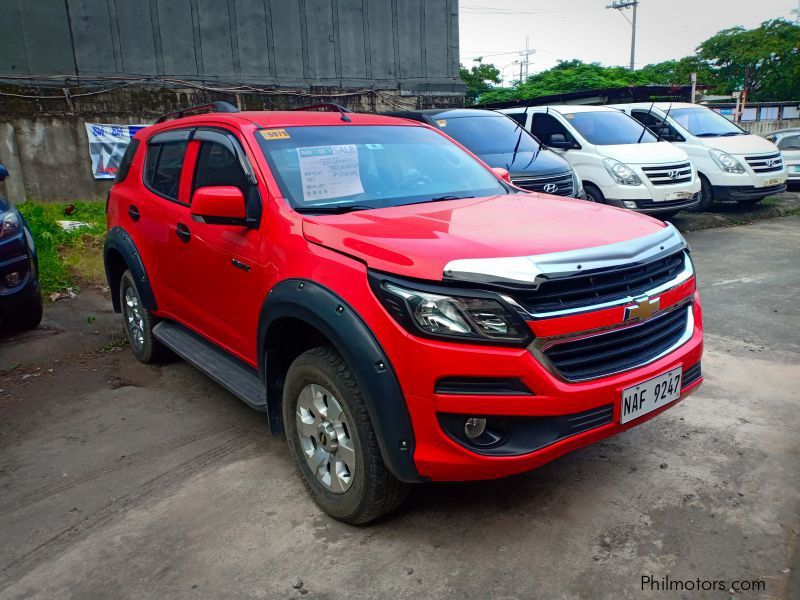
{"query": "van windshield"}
(489, 135)
(336, 168)
(704, 122)
(606, 128)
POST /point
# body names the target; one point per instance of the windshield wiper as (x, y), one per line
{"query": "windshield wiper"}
(709, 134)
(449, 197)
(333, 210)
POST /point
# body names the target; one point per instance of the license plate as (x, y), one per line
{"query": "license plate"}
(649, 395)
(773, 181)
(679, 195)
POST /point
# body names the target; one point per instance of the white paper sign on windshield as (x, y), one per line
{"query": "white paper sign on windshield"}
(329, 172)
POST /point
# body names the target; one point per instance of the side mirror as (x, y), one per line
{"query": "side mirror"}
(558, 140)
(502, 174)
(219, 205)
(3, 172)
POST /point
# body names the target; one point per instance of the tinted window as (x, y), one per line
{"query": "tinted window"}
(127, 160)
(520, 118)
(654, 123)
(606, 127)
(372, 166)
(163, 168)
(489, 135)
(216, 165)
(544, 126)
(704, 122)
(790, 142)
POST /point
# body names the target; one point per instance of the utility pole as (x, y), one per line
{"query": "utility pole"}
(796, 13)
(620, 5)
(524, 60)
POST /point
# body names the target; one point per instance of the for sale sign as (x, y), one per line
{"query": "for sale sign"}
(107, 144)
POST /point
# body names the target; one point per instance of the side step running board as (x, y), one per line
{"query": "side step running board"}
(228, 371)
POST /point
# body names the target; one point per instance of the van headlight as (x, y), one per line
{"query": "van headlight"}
(479, 318)
(725, 161)
(621, 173)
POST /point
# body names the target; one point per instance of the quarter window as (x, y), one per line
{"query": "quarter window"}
(163, 168)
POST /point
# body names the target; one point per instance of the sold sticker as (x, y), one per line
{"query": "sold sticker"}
(274, 134)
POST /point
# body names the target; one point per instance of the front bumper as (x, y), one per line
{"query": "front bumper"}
(440, 457)
(651, 207)
(745, 192)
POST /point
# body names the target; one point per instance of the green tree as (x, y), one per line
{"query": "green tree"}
(764, 62)
(479, 79)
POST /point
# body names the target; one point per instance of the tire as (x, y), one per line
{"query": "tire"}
(593, 193)
(139, 323)
(25, 317)
(706, 197)
(322, 400)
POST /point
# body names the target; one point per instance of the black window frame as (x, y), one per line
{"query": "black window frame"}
(127, 161)
(172, 136)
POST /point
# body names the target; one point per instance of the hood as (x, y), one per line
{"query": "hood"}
(543, 162)
(740, 144)
(418, 240)
(654, 153)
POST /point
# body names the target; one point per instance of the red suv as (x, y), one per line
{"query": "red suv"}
(392, 304)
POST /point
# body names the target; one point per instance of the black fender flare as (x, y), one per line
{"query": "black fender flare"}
(119, 241)
(321, 308)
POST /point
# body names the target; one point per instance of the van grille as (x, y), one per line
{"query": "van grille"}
(669, 174)
(620, 349)
(562, 181)
(766, 163)
(602, 285)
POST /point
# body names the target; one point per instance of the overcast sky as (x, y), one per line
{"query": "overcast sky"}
(585, 29)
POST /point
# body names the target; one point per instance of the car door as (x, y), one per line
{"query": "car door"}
(154, 216)
(220, 277)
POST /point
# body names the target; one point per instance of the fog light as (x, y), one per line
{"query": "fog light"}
(474, 427)
(629, 203)
(13, 279)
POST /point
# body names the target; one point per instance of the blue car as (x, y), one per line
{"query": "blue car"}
(20, 294)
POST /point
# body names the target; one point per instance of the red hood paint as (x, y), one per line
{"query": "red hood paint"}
(418, 240)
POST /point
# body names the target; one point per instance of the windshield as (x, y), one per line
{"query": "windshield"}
(605, 128)
(489, 135)
(704, 122)
(369, 166)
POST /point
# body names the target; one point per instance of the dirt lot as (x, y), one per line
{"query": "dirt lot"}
(119, 480)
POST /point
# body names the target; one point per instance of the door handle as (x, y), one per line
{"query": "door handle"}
(133, 212)
(182, 231)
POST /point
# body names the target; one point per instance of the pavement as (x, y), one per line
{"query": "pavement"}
(120, 480)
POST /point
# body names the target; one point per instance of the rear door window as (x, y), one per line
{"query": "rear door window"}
(163, 166)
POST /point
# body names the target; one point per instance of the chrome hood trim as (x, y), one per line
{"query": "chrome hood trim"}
(532, 270)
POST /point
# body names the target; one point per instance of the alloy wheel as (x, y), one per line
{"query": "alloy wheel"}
(325, 438)
(133, 318)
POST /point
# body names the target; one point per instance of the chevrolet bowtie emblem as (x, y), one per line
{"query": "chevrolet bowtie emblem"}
(644, 307)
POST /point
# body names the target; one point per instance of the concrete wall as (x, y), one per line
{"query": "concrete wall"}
(766, 127)
(291, 43)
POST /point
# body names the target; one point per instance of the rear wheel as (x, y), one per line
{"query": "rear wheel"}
(331, 438)
(139, 323)
(593, 193)
(706, 197)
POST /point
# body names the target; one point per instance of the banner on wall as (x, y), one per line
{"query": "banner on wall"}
(107, 144)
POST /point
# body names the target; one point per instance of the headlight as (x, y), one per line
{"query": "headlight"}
(9, 224)
(621, 173)
(726, 162)
(481, 318)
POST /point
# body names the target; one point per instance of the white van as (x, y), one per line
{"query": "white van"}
(618, 160)
(732, 163)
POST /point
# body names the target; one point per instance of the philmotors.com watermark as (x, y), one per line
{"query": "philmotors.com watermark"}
(669, 584)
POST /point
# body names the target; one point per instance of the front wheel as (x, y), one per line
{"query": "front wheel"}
(332, 440)
(593, 193)
(706, 197)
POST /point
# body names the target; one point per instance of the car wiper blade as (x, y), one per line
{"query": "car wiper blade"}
(709, 134)
(333, 210)
(449, 197)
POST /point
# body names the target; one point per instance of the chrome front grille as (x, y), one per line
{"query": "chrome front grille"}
(669, 174)
(766, 163)
(562, 181)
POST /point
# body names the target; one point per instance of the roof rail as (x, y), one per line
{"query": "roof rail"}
(330, 106)
(219, 106)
